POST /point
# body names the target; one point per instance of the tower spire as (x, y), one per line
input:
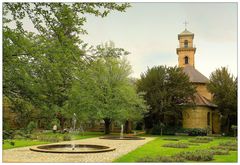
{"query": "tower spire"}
(185, 23)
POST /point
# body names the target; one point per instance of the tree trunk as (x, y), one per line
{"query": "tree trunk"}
(107, 123)
(148, 122)
(62, 121)
(127, 127)
(228, 124)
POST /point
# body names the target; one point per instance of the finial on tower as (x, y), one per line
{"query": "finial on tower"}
(185, 23)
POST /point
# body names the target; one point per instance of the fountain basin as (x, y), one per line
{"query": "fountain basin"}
(67, 148)
(122, 138)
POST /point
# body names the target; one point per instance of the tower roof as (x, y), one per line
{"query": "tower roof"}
(185, 33)
(194, 75)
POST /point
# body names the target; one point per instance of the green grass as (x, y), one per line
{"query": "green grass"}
(29, 142)
(151, 149)
(22, 143)
(155, 148)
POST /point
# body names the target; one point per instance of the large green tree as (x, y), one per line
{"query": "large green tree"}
(223, 86)
(166, 90)
(105, 91)
(40, 66)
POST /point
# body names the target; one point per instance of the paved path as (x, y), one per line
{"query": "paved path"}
(23, 154)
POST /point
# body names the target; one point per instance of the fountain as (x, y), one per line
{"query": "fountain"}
(72, 147)
(121, 137)
(121, 133)
(68, 148)
(74, 128)
(74, 121)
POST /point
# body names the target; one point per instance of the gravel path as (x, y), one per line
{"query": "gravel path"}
(122, 147)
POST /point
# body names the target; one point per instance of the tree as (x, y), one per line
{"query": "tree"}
(166, 88)
(223, 86)
(44, 62)
(105, 91)
(19, 85)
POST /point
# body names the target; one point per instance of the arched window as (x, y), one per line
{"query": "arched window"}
(186, 59)
(185, 43)
(208, 118)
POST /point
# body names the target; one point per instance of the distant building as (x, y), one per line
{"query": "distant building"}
(204, 114)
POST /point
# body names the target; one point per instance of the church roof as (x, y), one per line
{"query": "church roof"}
(194, 75)
(199, 100)
(202, 101)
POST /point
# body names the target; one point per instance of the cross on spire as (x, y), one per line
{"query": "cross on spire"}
(185, 23)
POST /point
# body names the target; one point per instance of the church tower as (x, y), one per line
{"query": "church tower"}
(204, 114)
(186, 51)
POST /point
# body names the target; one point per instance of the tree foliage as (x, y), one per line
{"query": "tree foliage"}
(40, 65)
(105, 91)
(223, 86)
(166, 89)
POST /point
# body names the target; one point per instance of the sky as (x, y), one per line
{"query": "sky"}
(149, 32)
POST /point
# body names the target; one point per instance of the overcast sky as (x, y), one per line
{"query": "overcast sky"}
(149, 31)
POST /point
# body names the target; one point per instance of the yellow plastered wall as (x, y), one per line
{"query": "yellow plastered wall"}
(188, 38)
(182, 55)
(188, 51)
(197, 117)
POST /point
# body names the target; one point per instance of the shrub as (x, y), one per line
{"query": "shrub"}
(21, 134)
(219, 152)
(198, 155)
(228, 143)
(161, 159)
(230, 148)
(35, 136)
(201, 139)
(67, 138)
(172, 130)
(196, 131)
(12, 143)
(19, 137)
(166, 130)
(156, 130)
(204, 138)
(176, 145)
(8, 134)
(17, 134)
(234, 128)
(198, 141)
(171, 139)
(31, 126)
(194, 144)
(139, 126)
(48, 138)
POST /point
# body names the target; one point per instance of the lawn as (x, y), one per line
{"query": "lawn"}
(29, 142)
(152, 149)
(155, 148)
(22, 143)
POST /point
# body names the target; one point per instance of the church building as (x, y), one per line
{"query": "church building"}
(205, 114)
